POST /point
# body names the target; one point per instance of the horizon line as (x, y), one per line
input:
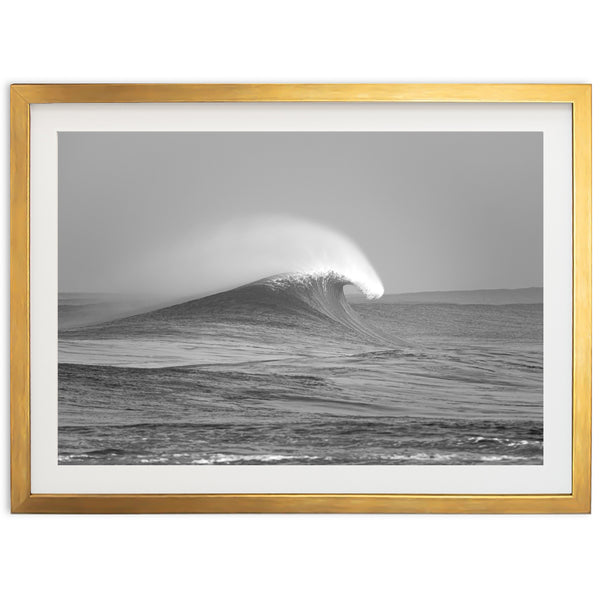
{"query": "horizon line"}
(358, 293)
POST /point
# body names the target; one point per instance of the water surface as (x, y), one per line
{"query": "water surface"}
(285, 371)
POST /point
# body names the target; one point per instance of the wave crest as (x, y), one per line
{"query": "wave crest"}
(322, 280)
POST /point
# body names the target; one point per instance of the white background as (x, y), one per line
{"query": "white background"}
(464, 556)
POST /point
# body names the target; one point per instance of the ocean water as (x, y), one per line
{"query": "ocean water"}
(286, 371)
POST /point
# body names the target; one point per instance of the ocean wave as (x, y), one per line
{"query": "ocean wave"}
(311, 304)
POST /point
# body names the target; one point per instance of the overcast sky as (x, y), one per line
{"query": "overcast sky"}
(431, 211)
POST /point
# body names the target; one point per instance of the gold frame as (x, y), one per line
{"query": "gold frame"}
(23, 501)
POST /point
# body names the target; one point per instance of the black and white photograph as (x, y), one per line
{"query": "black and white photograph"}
(300, 298)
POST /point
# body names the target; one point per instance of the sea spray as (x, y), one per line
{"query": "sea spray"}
(246, 250)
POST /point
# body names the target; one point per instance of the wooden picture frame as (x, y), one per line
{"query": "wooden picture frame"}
(22, 498)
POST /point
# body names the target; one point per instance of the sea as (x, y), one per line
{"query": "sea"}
(292, 370)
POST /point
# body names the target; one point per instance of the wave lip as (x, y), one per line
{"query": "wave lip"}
(370, 285)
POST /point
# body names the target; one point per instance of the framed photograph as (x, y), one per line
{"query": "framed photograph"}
(301, 298)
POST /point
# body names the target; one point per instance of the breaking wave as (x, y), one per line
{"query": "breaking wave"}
(291, 300)
(275, 281)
